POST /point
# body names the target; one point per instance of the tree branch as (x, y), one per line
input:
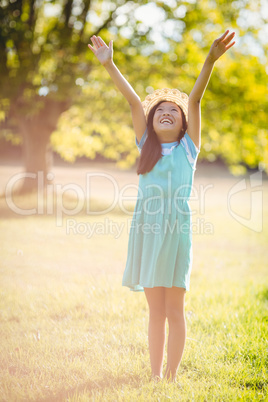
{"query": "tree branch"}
(67, 11)
(31, 14)
(104, 24)
(87, 4)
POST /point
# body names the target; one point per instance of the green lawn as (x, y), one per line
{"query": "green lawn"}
(70, 332)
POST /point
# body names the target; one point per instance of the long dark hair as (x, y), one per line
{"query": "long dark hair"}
(152, 150)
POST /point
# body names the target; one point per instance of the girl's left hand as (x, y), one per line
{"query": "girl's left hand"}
(220, 46)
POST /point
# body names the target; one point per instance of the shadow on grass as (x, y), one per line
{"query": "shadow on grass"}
(90, 386)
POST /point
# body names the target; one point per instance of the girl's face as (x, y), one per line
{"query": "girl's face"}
(167, 122)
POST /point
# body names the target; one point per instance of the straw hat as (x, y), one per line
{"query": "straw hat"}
(166, 95)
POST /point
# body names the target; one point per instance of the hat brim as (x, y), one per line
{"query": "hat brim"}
(166, 95)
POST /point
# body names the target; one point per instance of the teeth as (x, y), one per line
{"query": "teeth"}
(166, 121)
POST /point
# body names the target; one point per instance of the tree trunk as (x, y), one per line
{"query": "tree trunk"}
(37, 152)
(37, 156)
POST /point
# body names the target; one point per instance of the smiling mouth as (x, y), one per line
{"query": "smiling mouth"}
(165, 120)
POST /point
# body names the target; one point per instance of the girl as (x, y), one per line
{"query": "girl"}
(159, 257)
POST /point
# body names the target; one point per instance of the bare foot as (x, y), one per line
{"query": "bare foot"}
(156, 378)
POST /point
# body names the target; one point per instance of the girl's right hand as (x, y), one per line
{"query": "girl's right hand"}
(103, 53)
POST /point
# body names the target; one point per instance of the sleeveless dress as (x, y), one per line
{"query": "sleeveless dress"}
(160, 236)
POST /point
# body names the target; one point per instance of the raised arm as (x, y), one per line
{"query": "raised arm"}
(105, 55)
(218, 48)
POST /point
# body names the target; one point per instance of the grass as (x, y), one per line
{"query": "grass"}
(70, 332)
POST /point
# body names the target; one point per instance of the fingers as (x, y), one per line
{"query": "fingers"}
(98, 39)
(97, 42)
(231, 44)
(229, 38)
(101, 41)
(92, 48)
(223, 36)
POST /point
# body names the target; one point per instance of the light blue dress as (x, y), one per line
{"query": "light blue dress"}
(160, 237)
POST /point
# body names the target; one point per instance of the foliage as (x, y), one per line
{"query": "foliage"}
(43, 50)
(234, 112)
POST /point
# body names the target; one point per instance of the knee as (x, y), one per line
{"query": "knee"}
(157, 314)
(174, 314)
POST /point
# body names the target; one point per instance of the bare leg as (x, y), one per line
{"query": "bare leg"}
(174, 301)
(157, 330)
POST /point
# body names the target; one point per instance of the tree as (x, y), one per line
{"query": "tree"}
(47, 72)
(234, 108)
(43, 50)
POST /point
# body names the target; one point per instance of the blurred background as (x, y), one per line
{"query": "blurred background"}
(58, 103)
(69, 330)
